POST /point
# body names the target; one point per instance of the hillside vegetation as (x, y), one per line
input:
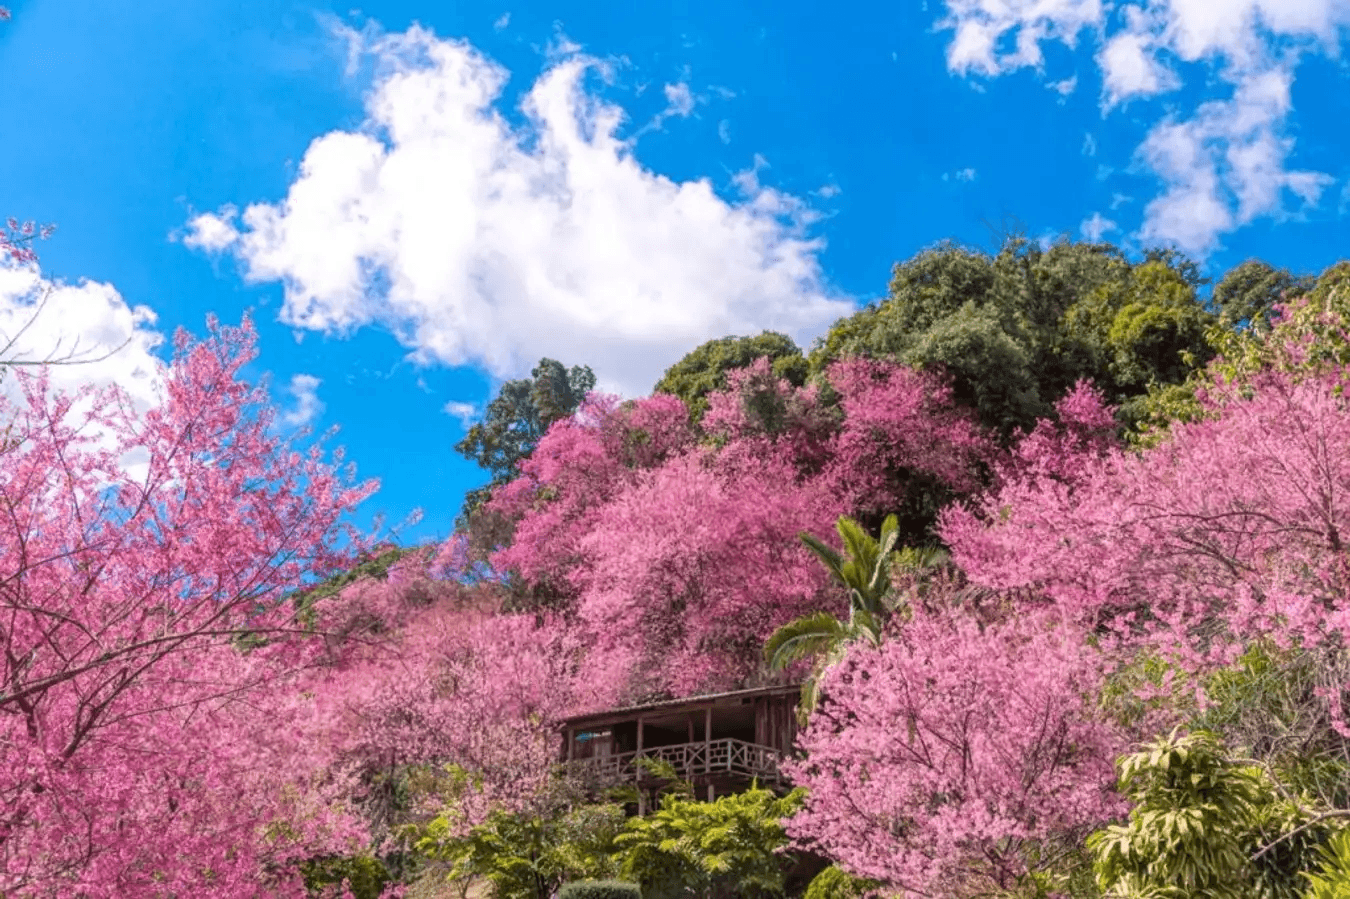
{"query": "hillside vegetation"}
(1057, 536)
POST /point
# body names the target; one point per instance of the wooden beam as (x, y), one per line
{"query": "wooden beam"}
(571, 741)
(707, 739)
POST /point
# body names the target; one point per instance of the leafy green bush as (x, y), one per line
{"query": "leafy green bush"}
(710, 847)
(600, 889)
(1185, 833)
(835, 883)
(1332, 880)
(527, 855)
(367, 876)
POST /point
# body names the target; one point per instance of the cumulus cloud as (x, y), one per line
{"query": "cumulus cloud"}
(212, 231)
(87, 323)
(1225, 166)
(679, 100)
(1095, 226)
(1065, 87)
(465, 412)
(960, 175)
(303, 389)
(478, 243)
(1089, 144)
(1223, 163)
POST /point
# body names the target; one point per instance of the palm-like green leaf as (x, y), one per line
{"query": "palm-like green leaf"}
(828, 556)
(864, 570)
(802, 638)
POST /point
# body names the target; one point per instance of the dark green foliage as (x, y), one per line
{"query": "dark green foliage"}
(1017, 329)
(517, 417)
(528, 854)
(722, 848)
(704, 370)
(600, 889)
(1185, 836)
(833, 883)
(366, 875)
(1332, 878)
(1319, 316)
(1245, 297)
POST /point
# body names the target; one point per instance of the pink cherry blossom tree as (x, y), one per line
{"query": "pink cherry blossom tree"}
(138, 551)
(937, 760)
(1230, 531)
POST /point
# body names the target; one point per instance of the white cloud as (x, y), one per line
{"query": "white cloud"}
(829, 191)
(478, 243)
(1089, 144)
(1225, 166)
(304, 389)
(1065, 87)
(89, 324)
(86, 321)
(960, 175)
(1130, 64)
(679, 100)
(724, 131)
(1119, 199)
(502, 22)
(979, 25)
(680, 103)
(465, 412)
(1223, 163)
(1095, 226)
(212, 231)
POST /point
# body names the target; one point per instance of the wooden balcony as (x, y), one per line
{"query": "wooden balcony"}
(692, 761)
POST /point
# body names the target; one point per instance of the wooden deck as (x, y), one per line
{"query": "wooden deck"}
(690, 760)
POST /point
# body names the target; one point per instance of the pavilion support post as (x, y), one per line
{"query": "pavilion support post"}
(637, 771)
(571, 742)
(707, 738)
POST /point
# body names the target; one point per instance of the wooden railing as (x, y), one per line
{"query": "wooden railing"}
(726, 756)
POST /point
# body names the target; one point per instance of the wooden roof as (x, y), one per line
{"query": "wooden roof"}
(612, 716)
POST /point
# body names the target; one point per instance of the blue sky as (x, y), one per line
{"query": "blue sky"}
(415, 200)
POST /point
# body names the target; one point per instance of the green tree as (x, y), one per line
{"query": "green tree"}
(864, 570)
(527, 854)
(1246, 295)
(835, 883)
(1188, 833)
(1000, 325)
(1149, 329)
(1313, 333)
(1332, 878)
(704, 370)
(517, 417)
(731, 847)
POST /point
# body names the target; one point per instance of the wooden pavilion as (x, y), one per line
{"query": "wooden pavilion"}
(717, 742)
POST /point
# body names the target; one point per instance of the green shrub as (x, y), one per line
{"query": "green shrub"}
(1332, 881)
(366, 876)
(834, 883)
(600, 889)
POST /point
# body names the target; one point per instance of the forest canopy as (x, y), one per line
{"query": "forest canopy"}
(1056, 535)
